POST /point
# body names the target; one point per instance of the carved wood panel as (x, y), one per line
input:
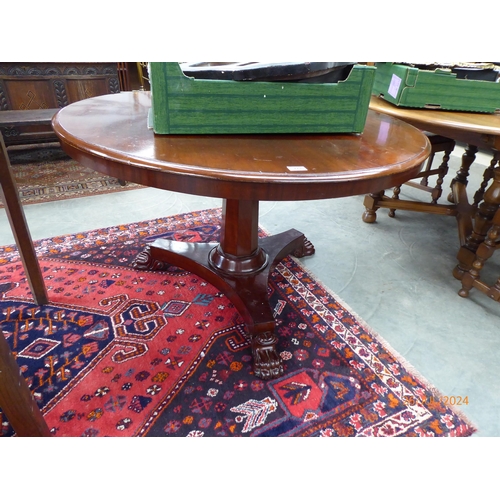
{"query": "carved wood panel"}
(31, 86)
(54, 85)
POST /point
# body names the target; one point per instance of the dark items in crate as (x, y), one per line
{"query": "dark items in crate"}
(300, 72)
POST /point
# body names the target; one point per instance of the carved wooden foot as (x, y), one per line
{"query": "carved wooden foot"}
(305, 250)
(370, 215)
(145, 261)
(266, 361)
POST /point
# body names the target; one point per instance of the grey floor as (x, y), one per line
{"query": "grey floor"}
(395, 274)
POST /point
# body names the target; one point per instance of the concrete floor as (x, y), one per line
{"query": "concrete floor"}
(395, 274)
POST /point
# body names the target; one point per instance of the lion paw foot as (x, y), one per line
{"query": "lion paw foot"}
(266, 361)
(305, 250)
(145, 261)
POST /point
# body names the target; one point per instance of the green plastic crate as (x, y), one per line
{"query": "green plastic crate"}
(437, 89)
(184, 105)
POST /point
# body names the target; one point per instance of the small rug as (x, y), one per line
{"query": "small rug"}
(48, 174)
(122, 352)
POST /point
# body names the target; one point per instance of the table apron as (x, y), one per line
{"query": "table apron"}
(312, 189)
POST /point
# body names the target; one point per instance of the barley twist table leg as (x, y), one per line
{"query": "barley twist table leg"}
(467, 160)
(485, 250)
(482, 223)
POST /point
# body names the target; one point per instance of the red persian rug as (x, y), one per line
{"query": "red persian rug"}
(122, 352)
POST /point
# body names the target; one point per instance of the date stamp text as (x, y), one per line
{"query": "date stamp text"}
(447, 400)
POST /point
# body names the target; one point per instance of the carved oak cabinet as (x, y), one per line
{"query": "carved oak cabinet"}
(49, 86)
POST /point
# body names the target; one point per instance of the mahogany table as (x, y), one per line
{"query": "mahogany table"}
(478, 131)
(110, 134)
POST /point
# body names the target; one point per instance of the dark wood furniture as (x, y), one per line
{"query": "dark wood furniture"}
(477, 217)
(17, 220)
(31, 93)
(27, 126)
(111, 135)
(16, 400)
(133, 76)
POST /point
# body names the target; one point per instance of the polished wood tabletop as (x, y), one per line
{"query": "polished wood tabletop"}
(480, 129)
(113, 130)
(110, 133)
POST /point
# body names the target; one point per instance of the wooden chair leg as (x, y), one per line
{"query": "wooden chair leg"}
(373, 202)
(16, 400)
(17, 219)
(439, 144)
(441, 174)
(395, 196)
(487, 176)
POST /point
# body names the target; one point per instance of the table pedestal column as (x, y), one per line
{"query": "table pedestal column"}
(239, 265)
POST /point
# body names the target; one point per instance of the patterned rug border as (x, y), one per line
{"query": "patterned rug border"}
(401, 360)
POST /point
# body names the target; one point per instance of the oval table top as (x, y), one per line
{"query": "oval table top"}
(110, 133)
(480, 129)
